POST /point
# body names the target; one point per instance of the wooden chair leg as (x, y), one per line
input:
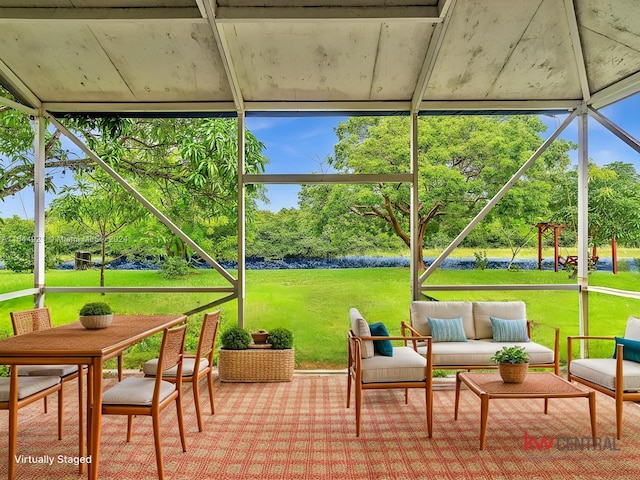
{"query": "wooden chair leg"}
(46, 407)
(61, 410)
(196, 400)
(81, 452)
(348, 389)
(210, 382)
(179, 412)
(120, 367)
(129, 427)
(156, 440)
(13, 439)
(358, 408)
(619, 404)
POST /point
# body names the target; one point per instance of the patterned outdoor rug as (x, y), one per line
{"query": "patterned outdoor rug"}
(302, 430)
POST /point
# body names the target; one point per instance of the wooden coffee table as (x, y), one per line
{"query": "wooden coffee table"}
(536, 385)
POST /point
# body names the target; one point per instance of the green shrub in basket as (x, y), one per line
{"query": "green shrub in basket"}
(95, 308)
(235, 338)
(280, 339)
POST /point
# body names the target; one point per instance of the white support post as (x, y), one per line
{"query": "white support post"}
(39, 128)
(583, 220)
(241, 219)
(415, 213)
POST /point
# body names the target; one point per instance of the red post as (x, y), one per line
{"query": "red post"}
(539, 247)
(556, 234)
(614, 255)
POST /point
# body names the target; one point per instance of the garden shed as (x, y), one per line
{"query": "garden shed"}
(248, 57)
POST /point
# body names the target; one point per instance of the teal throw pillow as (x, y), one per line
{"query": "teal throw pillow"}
(447, 329)
(381, 347)
(630, 351)
(509, 330)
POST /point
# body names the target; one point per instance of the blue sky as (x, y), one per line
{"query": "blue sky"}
(302, 145)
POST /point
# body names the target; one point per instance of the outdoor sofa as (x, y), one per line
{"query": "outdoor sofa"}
(467, 334)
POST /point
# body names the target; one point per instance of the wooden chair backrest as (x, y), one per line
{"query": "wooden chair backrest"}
(30, 320)
(208, 334)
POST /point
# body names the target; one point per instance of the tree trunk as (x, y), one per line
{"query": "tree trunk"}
(103, 248)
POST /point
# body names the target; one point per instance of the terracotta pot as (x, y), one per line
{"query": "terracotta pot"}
(513, 372)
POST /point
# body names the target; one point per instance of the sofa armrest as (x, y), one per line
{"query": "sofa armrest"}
(572, 338)
(556, 342)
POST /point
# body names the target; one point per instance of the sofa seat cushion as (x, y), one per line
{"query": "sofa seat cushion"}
(479, 352)
(404, 366)
(602, 371)
(421, 311)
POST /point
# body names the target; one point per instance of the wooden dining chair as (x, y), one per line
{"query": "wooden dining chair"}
(149, 396)
(30, 389)
(195, 367)
(40, 319)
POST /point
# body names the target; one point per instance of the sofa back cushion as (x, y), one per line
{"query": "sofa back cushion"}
(360, 328)
(506, 310)
(421, 311)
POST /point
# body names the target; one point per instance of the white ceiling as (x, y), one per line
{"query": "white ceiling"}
(306, 55)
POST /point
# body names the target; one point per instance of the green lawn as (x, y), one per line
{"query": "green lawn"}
(314, 303)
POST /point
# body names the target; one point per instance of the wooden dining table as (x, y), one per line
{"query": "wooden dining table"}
(76, 345)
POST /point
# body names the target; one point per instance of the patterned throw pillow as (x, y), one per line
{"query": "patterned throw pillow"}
(447, 329)
(381, 347)
(509, 330)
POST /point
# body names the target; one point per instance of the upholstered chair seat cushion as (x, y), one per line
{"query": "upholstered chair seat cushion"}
(47, 370)
(188, 365)
(27, 386)
(136, 391)
(602, 371)
(406, 365)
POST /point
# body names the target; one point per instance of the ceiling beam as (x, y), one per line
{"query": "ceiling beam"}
(432, 55)
(615, 129)
(223, 47)
(22, 92)
(140, 107)
(384, 107)
(619, 90)
(577, 48)
(313, 14)
(30, 15)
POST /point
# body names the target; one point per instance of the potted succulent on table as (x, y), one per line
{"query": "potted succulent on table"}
(95, 315)
(513, 363)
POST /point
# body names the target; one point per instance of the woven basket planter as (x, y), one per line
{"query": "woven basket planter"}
(256, 365)
(513, 372)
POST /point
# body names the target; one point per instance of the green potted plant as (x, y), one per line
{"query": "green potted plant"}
(235, 338)
(280, 339)
(95, 315)
(513, 363)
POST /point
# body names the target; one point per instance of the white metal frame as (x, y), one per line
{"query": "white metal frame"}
(206, 11)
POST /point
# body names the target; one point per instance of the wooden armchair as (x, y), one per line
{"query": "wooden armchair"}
(406, 368)
(617, 377)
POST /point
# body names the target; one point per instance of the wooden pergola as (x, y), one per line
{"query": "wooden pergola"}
(378, 57)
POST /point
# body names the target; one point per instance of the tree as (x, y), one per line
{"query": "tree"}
(186, 166)
(614, 196)
(463, 162)
(99, 207)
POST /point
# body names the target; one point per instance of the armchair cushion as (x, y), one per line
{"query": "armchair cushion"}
(602, 371)
(631, 350)
(447, 329)
(188, 365)
(360, 328)
(406, 365)
(509, 330)
(381, 347)
(633, 328)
